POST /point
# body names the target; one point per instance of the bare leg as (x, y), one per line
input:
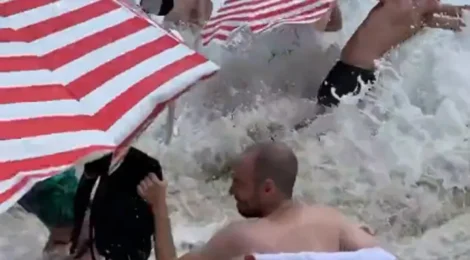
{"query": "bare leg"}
(58, 243)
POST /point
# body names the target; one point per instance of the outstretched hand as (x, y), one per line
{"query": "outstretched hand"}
(446, 16)
(445, 22)
(153, 190)
(452, 10)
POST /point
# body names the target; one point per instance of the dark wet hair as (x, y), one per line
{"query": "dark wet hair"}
(275, 161)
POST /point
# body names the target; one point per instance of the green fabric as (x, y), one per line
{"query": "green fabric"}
(52, 200)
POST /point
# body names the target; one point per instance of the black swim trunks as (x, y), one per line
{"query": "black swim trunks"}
(343, 79)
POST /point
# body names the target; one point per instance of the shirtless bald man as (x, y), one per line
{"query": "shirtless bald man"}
(263, 182)
(388, 24)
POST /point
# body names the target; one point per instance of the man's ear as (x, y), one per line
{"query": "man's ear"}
(268, 186)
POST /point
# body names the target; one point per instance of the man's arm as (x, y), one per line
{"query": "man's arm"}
(227, 243)
(336, 20)
(354, 237)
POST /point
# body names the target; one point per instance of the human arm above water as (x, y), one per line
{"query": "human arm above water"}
(153, 191)
(227, 243)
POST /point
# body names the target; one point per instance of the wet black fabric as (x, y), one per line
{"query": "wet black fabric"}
(166, 7)
(121, 223)
(157, 7)
(343, 79)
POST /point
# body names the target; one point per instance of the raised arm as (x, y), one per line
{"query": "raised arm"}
(153, 191)
(229, 242)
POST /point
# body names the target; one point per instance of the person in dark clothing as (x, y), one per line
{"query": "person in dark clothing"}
(388, 24)
(120, 224)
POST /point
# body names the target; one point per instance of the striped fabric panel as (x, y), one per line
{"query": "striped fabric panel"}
(79, 79)
(261, 16)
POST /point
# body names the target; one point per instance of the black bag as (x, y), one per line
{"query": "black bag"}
(121, 223)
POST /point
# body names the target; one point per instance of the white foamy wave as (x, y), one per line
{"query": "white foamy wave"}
(399, 162)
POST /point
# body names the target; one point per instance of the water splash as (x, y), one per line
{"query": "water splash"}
(397, 160)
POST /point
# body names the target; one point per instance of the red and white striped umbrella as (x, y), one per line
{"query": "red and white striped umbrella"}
(261, 16)
(79, 78)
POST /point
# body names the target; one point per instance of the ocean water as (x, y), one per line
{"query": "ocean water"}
(398, 160)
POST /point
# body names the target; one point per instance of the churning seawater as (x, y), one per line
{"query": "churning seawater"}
(399, 161)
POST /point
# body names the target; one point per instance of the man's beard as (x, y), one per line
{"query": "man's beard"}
(250, 213)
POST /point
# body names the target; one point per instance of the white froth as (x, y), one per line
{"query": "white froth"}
(397, 163)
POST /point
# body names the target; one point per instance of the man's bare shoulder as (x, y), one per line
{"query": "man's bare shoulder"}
(240, 224)
(324, 210)
(235, 230)
(231, 240)
(332, 215)
(353, 235)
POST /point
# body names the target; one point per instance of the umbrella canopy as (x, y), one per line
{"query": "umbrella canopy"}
(79, 79)
(261, 16)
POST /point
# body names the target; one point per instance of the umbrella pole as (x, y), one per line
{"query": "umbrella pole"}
(170, 121)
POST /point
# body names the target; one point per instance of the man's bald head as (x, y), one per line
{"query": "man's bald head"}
(275, 161)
